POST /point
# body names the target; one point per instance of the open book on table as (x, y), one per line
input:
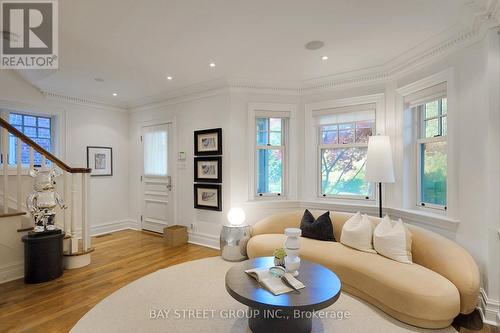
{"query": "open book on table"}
(273, 283)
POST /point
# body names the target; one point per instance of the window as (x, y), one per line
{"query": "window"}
(343, 145)
(270, 156)
(39, 129)
(155, 151)
(432, 152)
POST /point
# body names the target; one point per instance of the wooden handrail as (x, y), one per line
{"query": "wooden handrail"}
(14, 131)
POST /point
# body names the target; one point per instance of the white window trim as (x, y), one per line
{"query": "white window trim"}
(273, 110)
(58, 126)
(312, 190)
(406, 154)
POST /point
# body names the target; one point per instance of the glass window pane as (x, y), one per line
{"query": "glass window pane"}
(364, 129)
(44, 133)
(44, 122)
(431, 109)
(44, 143)
(329, 137)
(269, 171)
(262, 124)
(30, 132)
(262, 138)
(343, 172)
(431, 128)
(15, 119)
(275, 138)
(444, 106)
(433, 173)
(275, 124)
(346, 133)
(444, 125)
(155, 153)
(29, 121)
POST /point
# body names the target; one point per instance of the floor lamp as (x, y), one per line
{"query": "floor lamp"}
(379, 167)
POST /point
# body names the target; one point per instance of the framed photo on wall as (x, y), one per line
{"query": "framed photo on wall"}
(208, 196)
(100, 160)
(208, 142)
(208, 169)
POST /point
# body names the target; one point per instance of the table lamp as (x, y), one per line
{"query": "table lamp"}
(379, 166)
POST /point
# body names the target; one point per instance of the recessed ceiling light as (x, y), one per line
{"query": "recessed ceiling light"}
(212, 64)
(314, 45)
(115, 94)
(324, 58)
(169, 78)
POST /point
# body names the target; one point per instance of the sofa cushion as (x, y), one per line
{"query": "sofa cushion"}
(320, 228)
(410, 290)
(358, 233)
(393, 240)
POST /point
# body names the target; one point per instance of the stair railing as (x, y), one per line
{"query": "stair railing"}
(75, 179)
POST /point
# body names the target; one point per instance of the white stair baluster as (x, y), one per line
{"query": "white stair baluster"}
(5, 162)
(74, 239)
(85, 226)
(20, 201)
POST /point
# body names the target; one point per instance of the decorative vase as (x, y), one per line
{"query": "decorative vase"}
(292, 246)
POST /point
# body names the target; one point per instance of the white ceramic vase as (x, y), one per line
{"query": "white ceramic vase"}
(292, 246)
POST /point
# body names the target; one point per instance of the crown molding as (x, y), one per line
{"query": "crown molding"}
(480, 17)
(50, 95)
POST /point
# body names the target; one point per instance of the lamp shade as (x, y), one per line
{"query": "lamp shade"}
(236, 216)
(379, 166)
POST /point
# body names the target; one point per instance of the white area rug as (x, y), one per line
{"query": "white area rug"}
(193, 297)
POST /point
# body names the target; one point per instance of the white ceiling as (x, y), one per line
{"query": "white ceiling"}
(133, 45)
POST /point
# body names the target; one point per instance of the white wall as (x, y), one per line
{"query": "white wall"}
(188, 116)
(84, 125)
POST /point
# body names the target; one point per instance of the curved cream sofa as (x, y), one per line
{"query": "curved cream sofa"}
(442, 282)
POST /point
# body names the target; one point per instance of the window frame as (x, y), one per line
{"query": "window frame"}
(57, 124)
(281, 148)
(420, 140)
(52, 138)
(321, 146)
(291, 175)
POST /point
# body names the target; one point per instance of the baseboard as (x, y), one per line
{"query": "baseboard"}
(489, 308)
(204, 240)
(11, 272)
(108, 227)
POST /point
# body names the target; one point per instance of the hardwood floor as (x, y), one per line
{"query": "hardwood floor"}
(119, 259)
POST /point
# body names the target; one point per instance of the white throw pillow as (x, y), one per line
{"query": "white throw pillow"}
(392, 239)
(358, 233)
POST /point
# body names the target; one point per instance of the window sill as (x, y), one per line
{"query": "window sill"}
(411, 216)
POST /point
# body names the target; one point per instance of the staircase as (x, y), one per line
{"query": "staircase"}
(16, 184)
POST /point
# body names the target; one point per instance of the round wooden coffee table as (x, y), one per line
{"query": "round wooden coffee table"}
(291, 312)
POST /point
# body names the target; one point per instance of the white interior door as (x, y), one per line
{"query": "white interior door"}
(156, 181)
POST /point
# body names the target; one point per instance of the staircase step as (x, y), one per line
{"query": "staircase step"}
(79, 253)
(12, 212)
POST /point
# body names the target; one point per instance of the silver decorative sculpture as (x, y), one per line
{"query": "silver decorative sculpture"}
(41, 203)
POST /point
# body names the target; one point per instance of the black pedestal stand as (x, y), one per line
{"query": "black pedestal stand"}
(43, 256)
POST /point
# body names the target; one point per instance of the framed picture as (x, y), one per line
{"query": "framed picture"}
(208, 169)
(208, 142)
(100, 160)
(208, 197)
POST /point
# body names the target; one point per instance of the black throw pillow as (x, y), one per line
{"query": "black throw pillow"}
(320, 229)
